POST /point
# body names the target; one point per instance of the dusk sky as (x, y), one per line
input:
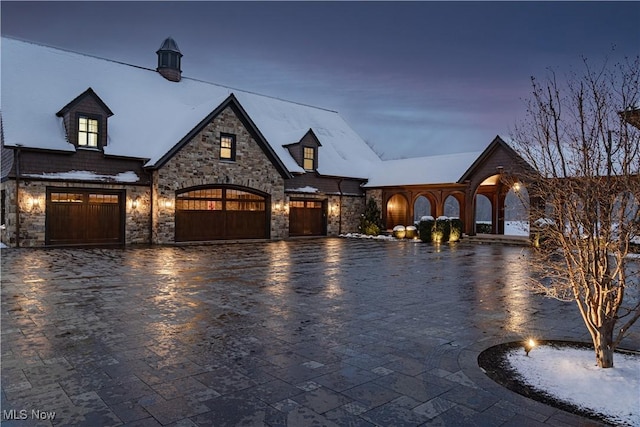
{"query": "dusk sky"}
(413, 79)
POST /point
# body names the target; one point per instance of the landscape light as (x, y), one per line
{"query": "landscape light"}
(528, 345)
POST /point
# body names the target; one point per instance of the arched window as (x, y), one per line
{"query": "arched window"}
(451, 207)
(421, 207)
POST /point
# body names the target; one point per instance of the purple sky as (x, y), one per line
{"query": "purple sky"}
(413, 79)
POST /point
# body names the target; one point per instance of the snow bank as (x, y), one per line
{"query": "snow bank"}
(571, 375)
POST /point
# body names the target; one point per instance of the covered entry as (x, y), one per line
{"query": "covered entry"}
(307, 218)
(221, 212)
(84, 217)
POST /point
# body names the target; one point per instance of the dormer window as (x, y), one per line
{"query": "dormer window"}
(88, 132)
(85, 120)
(309, 158)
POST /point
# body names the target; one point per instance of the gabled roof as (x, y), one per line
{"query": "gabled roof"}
(442, 169)
(232, 102)
(491, 148)
(151, 115)
(87, 93)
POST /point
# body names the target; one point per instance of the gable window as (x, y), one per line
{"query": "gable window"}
(227, 147)
(87, 132)
(309, 158)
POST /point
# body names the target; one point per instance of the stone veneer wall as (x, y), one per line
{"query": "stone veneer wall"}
(352, 209)
(33, 215)
(198, 163)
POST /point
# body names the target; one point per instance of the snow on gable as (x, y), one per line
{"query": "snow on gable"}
(151, 115)
(441, 169)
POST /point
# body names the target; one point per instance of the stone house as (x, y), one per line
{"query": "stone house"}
(99, 152)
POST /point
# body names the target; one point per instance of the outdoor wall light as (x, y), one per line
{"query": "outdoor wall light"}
(134, 204)
(528, 346)
(516, 187)
(278, 206)
(168, 204)
(33, 203)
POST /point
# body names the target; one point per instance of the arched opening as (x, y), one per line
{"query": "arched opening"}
(451, 207)
(397, 208)
(221, 212)
(490, 190)
(483, 217)
(516, 211)
(421, 207)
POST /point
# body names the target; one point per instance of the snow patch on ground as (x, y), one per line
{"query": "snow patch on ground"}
(367, 236)
(571, 375)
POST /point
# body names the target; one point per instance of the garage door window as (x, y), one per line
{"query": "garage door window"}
(66, 198)
(84, 216)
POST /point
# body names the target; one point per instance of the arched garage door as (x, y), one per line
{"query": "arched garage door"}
(214, 213)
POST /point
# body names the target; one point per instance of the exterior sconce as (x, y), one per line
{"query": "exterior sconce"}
(516, 187)
(334, 208)
(32, 203)
(277, 206)
(134, 204)
(168, 204)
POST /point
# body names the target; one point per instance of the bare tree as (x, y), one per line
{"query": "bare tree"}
(579, 138)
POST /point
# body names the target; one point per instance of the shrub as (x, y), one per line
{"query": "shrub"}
(483, 228)
(441, 230)
(411, 232)
(399, 231)
(456, 230)
(370, 221)
(425, 228)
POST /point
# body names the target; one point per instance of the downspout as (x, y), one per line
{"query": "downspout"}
(151, 209)
(340, 207)
(17, 159)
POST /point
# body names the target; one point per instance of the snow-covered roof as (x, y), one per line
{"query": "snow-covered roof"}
(152, 114)
(442, 169)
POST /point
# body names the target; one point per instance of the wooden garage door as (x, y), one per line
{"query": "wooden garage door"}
(84, 217)
(306, 218)
(220, 213)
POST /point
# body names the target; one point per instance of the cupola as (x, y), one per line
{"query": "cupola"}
(169, 60)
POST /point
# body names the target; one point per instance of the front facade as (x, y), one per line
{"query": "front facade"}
(85, 176)
(90, 160)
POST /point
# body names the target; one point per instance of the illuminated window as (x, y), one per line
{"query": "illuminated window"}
(227, 147)
(87, 132)
(309, 158)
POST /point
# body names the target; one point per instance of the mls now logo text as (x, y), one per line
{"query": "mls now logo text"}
(23, 414)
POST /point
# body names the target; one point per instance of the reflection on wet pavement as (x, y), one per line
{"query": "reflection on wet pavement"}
(324, 331)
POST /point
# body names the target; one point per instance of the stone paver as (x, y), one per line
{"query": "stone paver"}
(293, 333)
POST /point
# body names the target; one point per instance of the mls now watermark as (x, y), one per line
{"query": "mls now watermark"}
(23, 414)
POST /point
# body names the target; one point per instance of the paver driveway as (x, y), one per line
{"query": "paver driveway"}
(304, 332)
